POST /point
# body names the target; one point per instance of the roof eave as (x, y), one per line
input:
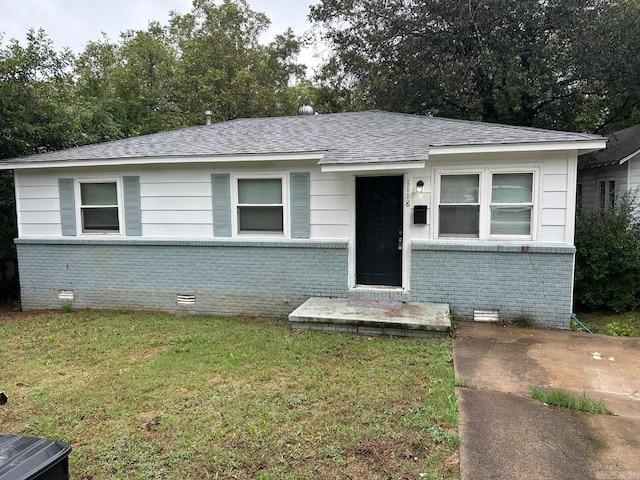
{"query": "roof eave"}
(164, 160)
(372, 166)
(581, 146)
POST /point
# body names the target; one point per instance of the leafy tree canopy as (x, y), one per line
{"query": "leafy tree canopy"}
(549, 63)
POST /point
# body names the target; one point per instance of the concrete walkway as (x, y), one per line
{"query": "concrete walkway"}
(505, 434)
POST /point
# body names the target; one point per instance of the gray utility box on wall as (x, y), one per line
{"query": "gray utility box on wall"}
(27, 458)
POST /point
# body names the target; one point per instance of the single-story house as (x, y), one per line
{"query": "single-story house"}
(255, 216)
(615, 169)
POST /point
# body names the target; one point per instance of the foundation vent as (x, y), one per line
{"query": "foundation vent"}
(186, 299)
(65, 295)
(485, 316)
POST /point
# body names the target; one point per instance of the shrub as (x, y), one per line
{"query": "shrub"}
(608, 256)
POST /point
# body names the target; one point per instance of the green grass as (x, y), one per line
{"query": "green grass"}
(465, 383)
(618, 325)
(142, 395)
(560, 398)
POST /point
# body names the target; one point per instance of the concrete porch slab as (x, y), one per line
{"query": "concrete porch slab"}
(372, 317)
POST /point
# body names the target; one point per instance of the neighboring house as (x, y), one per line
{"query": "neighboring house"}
(615, 169)
(254, 216)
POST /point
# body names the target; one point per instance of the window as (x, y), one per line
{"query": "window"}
(260, 205)
(511, 203)
(606, 193)
(486, 204)
(99, 207)
(459, 205)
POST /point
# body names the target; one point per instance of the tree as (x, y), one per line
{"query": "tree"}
(525, 62)
(224, 68)
(37, 113)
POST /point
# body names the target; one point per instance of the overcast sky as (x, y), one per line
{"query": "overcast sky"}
(72, 23)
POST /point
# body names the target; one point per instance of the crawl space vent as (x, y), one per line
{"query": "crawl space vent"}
(485, 315)
(65, 294)
(186, 299)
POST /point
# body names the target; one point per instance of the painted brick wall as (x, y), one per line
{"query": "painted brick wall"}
(523, 283)
(272, 279)
(226, 277)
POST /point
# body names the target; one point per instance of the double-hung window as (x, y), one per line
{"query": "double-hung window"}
(459, 205)
(99, 211)
(606, 193)
(260, 205)
(511, 203)
(486, 204)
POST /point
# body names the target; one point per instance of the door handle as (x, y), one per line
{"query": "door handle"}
(400, 243)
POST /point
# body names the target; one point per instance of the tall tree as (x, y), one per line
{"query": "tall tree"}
(526, 62)
(37, 112)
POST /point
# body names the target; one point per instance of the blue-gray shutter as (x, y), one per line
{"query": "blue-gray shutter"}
(221, 188)
(300, 206)
(67, 206)
(132, 216)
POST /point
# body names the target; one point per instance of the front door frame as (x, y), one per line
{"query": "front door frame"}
(406, 228)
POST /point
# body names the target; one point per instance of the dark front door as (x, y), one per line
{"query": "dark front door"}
(379, 231)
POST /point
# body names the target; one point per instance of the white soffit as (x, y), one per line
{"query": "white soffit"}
(18, 165)
(372, 167)
(581, 146)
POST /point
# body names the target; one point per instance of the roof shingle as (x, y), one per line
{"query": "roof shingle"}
(358, 137)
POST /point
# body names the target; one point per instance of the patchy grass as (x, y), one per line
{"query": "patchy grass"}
(143, 395)
(465, 383)
(560, 398)
(615, 324)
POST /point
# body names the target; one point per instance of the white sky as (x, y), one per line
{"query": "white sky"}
(72, 23)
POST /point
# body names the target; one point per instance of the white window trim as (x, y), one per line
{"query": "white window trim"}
(484, 197)
(284, 177)
(78, 202)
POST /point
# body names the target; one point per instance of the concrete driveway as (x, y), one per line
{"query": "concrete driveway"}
(505, 434)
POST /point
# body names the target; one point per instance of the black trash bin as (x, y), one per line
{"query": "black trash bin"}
(27, 458)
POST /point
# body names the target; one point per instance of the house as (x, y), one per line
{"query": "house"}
(615, 169)
(255, 216)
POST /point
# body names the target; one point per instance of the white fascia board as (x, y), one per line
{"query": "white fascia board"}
(126, 161)
(372, 167)
(629, 157)
(580, 146)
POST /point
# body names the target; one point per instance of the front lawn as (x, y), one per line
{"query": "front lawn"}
(143, 395)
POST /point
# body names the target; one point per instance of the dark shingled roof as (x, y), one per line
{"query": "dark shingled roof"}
(358, 137)
(620, 145)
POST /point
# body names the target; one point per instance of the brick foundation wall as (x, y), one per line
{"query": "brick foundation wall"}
(254, 278)
(524, 283)
(273, 278)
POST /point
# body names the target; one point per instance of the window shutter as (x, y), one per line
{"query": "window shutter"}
(132, 216)
(67, 206)
(220, 186)
(300, 206)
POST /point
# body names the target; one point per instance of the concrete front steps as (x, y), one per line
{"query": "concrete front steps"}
(372, 317)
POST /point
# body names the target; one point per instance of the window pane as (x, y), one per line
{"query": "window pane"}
(260, 219)
(100, 219)
(98, 194)
(510, 220)
(257, 191)
(459, 188)
(459, 220)
(512, 188)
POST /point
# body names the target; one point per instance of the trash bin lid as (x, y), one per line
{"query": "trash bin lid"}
(23, 458)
